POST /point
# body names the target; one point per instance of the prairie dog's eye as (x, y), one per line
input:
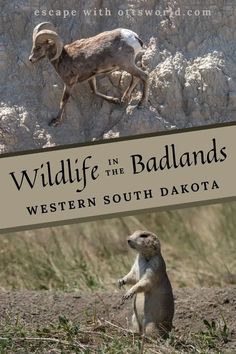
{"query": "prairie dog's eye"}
(143, 235)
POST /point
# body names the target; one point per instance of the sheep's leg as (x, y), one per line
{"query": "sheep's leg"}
(128, 92)
(64, 99)
(140, 74)
(125, 97)
(93, 86)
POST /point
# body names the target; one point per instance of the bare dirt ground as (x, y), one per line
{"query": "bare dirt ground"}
(192, 307)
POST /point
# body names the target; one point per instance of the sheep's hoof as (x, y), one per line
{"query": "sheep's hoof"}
(141, 105)
(54, 122)
(116, 100)
(123, 103)
(125, 100)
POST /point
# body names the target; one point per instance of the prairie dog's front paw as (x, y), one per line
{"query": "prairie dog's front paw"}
(128, 295)
(121, 282)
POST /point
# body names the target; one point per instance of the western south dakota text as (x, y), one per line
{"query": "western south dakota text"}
(91, 202)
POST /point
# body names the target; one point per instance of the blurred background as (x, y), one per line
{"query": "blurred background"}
(198, 245)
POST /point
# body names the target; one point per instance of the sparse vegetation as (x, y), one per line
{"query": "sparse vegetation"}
(104, 337)
(215, 331)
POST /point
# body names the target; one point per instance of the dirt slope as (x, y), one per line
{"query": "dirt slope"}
(193, 306)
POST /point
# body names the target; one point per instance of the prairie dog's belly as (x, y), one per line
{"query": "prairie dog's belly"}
(155, 305)
(139, 307)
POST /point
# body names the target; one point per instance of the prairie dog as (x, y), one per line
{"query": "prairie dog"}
(152, 291)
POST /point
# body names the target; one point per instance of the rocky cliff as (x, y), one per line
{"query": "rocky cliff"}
(190, 52)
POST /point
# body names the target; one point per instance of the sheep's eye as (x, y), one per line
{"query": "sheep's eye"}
(144, 235)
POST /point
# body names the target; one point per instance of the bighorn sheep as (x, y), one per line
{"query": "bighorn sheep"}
(83, 59)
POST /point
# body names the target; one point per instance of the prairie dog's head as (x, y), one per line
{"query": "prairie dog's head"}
(145, 242)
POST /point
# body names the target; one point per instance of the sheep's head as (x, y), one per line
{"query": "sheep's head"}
(46, 43)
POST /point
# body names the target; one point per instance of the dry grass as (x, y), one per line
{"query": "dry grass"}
(103, 337)
(198, 245)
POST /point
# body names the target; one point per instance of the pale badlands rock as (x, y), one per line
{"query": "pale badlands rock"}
(190, 59)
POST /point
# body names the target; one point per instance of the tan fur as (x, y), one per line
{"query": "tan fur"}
(84, 59)
(152, 291)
